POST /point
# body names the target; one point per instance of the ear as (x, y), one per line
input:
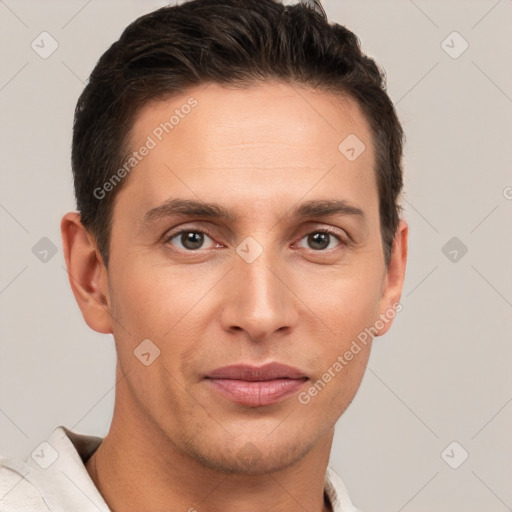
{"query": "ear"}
(87, 274)
(394, 279)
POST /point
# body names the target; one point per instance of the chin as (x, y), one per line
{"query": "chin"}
(250, 458)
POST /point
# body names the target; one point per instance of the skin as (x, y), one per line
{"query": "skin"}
(175, 443)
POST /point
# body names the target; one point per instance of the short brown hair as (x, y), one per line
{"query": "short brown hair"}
(236, 42)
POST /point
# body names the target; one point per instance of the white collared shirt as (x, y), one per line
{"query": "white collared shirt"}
(54, 478)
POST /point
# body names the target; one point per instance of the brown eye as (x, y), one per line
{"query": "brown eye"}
(190, 240)
(320, 240)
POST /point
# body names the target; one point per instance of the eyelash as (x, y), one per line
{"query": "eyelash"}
(341, 241)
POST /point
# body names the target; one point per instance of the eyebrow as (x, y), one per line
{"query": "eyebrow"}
(194, 208)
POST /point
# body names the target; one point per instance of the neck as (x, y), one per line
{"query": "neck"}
(137, 467)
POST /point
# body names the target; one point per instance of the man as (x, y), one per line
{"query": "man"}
(237, 171)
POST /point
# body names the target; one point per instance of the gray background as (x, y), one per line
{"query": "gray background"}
(442, 374)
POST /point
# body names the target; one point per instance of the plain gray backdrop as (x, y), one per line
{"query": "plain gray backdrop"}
(438, 386)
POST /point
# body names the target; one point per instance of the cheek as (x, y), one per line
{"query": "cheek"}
(341, 364)
(152, 299)
(150, 304)
(346, 299)
(348, 308)
(169, 306)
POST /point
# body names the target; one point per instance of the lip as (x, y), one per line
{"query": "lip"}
(256, 386)
(269, 371)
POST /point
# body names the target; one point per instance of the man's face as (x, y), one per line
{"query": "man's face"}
(265, 285)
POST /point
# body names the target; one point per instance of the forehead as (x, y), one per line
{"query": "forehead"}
(267, 111)
(269, 141)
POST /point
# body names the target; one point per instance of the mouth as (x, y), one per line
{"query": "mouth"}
(256, 386)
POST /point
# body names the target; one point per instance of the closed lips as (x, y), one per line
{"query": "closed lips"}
(269, 371)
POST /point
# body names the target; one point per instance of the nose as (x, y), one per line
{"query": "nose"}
(260, 298)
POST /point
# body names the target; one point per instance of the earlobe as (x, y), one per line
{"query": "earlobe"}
(395, 276)
(87, 274)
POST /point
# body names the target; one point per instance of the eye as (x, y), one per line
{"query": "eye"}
(190, 240)
(320, 240)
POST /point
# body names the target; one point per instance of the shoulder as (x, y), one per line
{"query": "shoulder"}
(53, 477)
(17, 494)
